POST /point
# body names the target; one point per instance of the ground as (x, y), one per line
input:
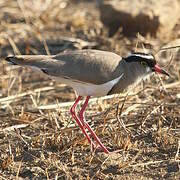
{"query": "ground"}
(38, 137)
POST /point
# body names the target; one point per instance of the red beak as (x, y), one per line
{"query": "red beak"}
(159, 70)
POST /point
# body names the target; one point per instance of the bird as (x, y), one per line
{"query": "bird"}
(92, 73)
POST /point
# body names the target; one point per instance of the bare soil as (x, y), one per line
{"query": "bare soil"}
(38, 137)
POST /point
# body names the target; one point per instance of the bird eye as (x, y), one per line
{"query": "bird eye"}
(143, 63)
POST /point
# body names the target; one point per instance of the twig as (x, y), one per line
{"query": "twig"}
(100, 167)
(11, 128)
(66, 104)
(13, 97)
(19, 167)
(144, 121)
(13, 45)
(152, 162)
(167, 48)
(177, 153)
(118, 114)
(3, 177)
(46, 47)
(11, 84)
(21, 5)
(35, 103)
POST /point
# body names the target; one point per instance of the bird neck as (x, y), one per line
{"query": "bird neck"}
(131, 77)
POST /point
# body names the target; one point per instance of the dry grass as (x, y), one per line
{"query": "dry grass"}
(39, 139)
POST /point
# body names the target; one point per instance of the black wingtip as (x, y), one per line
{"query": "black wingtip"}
(9, 60)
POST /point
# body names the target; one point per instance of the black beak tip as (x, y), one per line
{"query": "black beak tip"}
(165, 73)
(159, 70)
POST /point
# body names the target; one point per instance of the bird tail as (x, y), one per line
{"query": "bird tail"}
(28, 60)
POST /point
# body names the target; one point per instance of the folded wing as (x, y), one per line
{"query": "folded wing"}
(90, 66)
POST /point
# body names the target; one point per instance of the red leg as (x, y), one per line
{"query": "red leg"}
(82, 119)
(72, 110)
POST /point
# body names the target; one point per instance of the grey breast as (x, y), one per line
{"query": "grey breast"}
(133, 74)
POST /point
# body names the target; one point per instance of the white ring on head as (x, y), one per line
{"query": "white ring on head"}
(145, 56)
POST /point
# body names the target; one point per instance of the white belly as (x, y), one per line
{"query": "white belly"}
(89, 89)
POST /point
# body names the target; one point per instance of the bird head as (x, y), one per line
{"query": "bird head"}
(145, 64)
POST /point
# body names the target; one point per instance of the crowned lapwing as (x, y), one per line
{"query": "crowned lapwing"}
(92, 73)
